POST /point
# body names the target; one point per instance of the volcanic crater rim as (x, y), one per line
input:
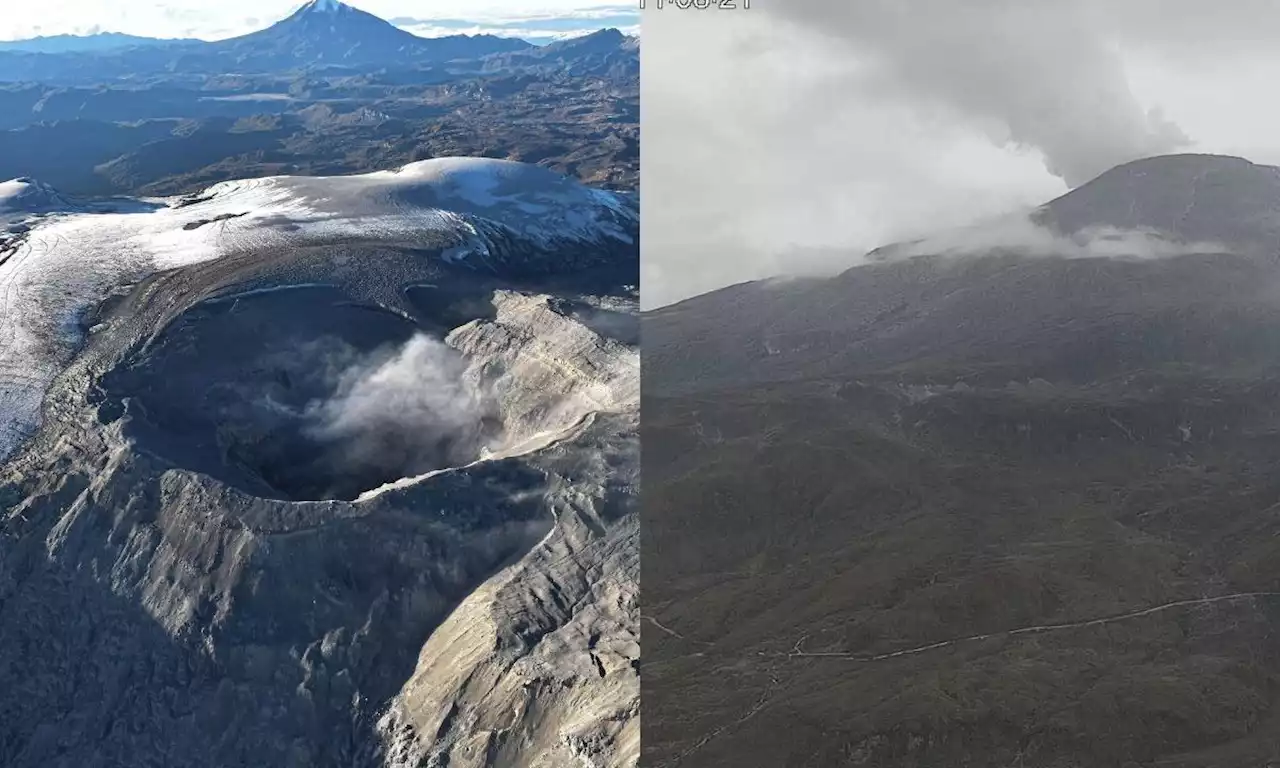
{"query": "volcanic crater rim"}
(302, 393)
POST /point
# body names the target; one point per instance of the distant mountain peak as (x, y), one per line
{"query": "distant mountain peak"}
(329, 30)
(329, 10)
(325, 6)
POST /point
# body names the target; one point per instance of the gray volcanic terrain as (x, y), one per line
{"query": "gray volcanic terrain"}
(340, 472)
(1001, 497)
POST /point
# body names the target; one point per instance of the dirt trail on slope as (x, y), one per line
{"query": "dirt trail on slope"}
(799, 652)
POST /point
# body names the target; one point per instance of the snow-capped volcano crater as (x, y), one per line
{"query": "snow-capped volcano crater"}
(332, 273)
(303, 392)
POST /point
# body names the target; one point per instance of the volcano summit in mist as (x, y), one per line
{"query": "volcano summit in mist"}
(340, 472)
(998, 497)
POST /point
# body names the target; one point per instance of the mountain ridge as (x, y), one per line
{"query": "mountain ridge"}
(100, 41)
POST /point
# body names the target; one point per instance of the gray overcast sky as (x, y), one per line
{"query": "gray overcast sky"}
(796, 135)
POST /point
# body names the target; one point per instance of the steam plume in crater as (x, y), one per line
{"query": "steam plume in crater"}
(412, 409)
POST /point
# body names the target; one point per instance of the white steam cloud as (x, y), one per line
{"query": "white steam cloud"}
(412, 408)
(1035, 73)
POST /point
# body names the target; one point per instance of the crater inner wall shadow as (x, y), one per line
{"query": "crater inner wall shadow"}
(278, 394)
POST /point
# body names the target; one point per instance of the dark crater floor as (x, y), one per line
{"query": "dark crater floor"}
(279, 393)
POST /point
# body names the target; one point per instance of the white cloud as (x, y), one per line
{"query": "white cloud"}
(756, 167)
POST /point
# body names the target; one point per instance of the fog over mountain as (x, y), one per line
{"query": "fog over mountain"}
(876, 122)
(985, 475)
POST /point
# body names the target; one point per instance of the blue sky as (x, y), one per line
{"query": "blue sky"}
(536, 20)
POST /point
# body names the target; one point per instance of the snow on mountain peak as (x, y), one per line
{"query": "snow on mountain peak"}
(326, 6)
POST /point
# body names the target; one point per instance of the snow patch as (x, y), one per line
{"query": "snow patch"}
(326, 6)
